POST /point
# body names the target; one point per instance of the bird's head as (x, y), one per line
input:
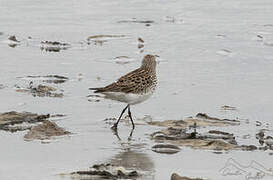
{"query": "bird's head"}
(149, 61)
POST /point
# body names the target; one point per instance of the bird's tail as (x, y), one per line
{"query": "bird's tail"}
(96, 90)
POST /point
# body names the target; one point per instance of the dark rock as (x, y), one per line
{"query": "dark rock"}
(258, 123)
(55, 43)
(12, 45)
(165, 148)
(220, 132)
(205, 116)
(137, 21)
(264, 140)
(54, 46)
(108, 171)
(13, 38)
(248, 147)
(95, 37)
(264, 148)
(260, 136)
(226, 107)
(133, 174)
(140, 46)
(140, 40)
(56, 79)
(52, 49)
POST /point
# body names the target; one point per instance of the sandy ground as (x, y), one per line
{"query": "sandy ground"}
(212, 53)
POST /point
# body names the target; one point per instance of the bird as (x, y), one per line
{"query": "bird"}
(132, 88)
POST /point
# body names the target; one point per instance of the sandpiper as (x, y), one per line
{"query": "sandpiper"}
(132, 88)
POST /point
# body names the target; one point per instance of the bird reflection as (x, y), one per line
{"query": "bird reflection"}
(139, 161)
(131, 157)
(115, 132)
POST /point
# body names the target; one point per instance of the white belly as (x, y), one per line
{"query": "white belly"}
(129, 98)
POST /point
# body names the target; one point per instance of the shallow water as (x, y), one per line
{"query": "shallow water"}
(210, 56)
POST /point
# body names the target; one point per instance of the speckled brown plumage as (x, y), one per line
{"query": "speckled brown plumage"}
(139, 81)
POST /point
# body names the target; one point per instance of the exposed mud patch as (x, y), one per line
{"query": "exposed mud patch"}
(228, 108)
(46, 130)
(14, 121)
(134, 20)
(177, 177)
(103, 38)
(107, 171)
(54, 46)
(56, 79)
(40, 91)
(201, 119)
(176, 134)
(179, 136)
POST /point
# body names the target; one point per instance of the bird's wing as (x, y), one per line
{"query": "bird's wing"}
(127, 83)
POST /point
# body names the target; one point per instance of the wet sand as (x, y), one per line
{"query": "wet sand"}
(212, 54)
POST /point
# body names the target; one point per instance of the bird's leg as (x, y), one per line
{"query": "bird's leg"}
(115, 126)
(130, 116)
(131, 134)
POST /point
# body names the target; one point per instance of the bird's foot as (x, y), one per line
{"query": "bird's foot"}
(131, 134)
